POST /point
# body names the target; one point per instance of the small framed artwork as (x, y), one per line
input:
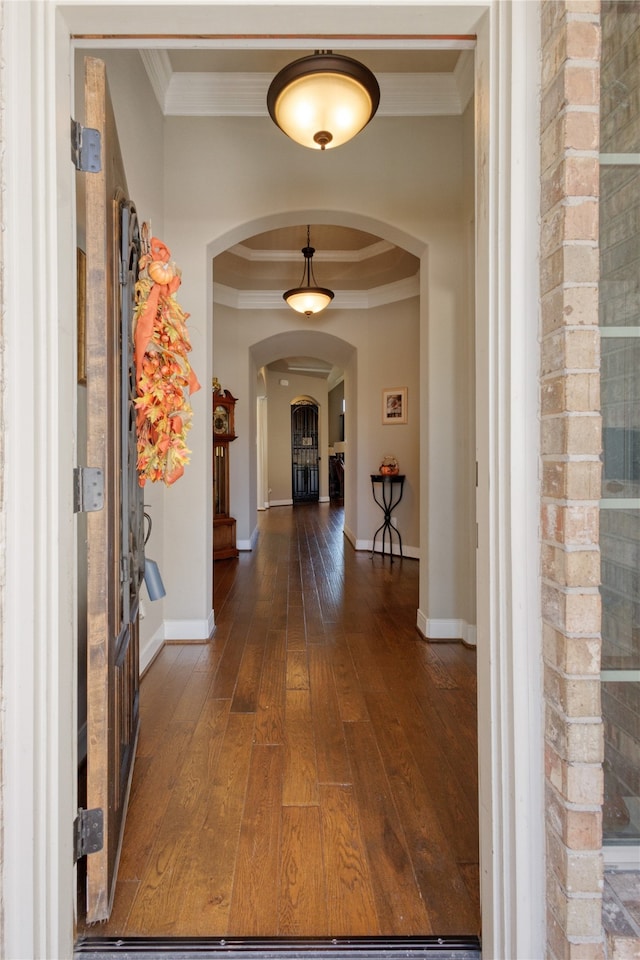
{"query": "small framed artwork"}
(394, 405)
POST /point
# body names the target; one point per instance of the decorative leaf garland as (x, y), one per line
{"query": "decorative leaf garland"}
(163, 373)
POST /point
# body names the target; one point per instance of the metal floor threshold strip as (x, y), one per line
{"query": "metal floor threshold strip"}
(265, 948)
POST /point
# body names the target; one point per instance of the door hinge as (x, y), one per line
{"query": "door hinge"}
(85, 148)
(88, 489)
(88, 833)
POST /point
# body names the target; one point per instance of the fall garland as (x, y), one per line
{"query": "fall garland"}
(163, 373)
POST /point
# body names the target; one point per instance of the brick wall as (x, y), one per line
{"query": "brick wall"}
(571, 446)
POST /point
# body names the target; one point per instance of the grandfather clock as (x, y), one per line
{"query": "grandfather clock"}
(224, 526)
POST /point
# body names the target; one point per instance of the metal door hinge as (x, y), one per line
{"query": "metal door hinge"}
(85, 148)
(88, 833)
(88, 489)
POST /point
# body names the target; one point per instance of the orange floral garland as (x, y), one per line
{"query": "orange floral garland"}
(163, 373)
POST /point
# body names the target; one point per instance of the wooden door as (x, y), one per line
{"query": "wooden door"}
(114, 533)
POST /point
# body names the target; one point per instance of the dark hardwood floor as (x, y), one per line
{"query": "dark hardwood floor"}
(311, 771)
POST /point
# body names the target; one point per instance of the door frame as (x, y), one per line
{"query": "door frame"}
(39, 761)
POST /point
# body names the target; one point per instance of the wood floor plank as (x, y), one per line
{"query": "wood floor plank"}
(211, 654)
(275, 647)
(247, 686)
(350, 898)
(193, 697)
(441, 882)
(296, 628)
(297, 670)
(302, 902)
(254, 902)
(270, 713)
(400, 907)
(331, 750)
(351, 701)
(297, 705)
(453, 789)
(225, 680)
(149, 801)
(300, 776)
(198, 766)
(210, 860)
(157, 715)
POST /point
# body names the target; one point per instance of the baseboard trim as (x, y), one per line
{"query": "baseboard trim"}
(409, 553)
(445, 630)
(151, 649)
(280, 503)
(351, 537)
(189, 629)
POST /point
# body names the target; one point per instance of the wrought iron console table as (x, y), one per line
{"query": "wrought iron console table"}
(391, 488)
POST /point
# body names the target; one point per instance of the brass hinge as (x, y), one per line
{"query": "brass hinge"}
(88, 833)
(85, 148)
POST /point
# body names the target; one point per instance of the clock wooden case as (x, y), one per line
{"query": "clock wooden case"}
(224, 525)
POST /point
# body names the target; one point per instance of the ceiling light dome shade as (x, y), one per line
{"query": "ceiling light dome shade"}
(323, 100)
(308, 299)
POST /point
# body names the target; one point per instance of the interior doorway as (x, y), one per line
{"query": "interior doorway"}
(305, 478)
(309, 487)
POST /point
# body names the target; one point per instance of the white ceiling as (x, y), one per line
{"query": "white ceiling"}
(234, 83)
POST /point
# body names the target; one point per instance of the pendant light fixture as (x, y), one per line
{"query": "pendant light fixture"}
(308, 299)
(323, 100)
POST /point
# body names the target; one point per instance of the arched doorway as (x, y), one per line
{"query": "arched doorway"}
(305, 466)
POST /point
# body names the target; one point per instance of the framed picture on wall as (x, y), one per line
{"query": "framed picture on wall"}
(394, 405)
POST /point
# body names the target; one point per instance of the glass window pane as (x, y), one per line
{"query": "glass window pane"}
(619, 294)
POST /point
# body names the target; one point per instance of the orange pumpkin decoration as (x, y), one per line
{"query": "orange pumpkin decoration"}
(161, 272)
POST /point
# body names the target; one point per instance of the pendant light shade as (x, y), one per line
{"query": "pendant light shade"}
(323, 100)
(307, 298)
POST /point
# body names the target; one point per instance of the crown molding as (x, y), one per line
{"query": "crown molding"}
(464, 74)
(158, 67)
(245, 94)
(344, 299)
(329, 256)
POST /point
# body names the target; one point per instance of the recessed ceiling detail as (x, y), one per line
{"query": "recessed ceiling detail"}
(242, 93)
(343, 299)
(362, 269)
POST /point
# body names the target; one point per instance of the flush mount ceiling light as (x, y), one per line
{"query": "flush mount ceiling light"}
(323, 100)
(308, 299)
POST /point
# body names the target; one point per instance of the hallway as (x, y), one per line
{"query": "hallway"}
(312, 771)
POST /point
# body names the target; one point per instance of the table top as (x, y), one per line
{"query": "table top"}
(393, 477)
